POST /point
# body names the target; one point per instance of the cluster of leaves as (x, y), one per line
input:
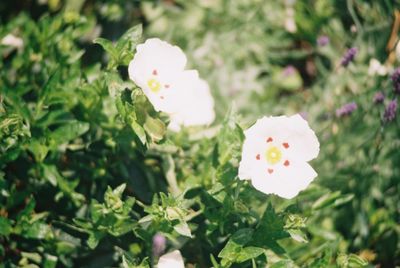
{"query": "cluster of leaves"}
(89, 173)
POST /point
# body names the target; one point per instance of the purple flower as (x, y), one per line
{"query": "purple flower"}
(379, 97)
(323, 40)
(289, 70)
(346, 109)
(349, 56)
(396, 80)
(159, 244)
(390, 111)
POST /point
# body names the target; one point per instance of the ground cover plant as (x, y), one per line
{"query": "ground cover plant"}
(199, 133)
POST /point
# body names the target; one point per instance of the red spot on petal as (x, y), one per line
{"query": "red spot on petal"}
(166, 86)
(286, 163)
(155, 72)
(286, 145)
(258, 157)
(269, 139)
(270, 170)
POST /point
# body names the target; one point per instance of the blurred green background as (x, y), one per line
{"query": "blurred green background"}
(260, 57)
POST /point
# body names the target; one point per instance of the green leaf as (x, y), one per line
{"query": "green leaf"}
(128, 261)
(249, 253)
(269, 230)
(155, 128)
(38, 230)
(133, 34)
(51, 84)
(51, 173)
(32, 256)
(332, 200)
(5, 226)
(298, 235)
(68, 132)
(38, 149)
(108, 46)
(94, 239)
(351, 261)
(230, 139)
(242, 236)
(235, 252)
(183, 229)
(50, 261)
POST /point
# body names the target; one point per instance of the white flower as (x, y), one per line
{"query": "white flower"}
(197, 108)
(12, 41)
(275, 155)
(375, 67)
(171, 260)
(290, 23)
(158, 68)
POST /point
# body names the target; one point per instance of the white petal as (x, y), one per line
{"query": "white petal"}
(12, 40)
(294, 130)
(156, 54)
(171, 260)
(160, 60)
(301, 138)
(196, 105)
(286, 182)
(249, 166)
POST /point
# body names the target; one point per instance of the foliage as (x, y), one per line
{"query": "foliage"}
(89, 171)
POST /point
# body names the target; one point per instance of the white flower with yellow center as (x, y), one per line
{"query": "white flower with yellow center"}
(158, 68)
(171, 260)
(275, 155)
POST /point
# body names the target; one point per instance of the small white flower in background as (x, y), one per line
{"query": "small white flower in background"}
(398, 50)
(171, 260)
(158, 68)
(290, 23)
(197, 109)
(275, 155)
(12, 41)
(375, 67)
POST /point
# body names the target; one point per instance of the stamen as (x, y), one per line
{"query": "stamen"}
(286, 163)
(155, 72)
(258, 156)
(162, 97)
(166, 86)
(269, 139)
(286, 145)
(270, 170)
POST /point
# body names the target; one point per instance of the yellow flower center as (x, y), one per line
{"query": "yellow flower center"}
(154, 85)
(273, 155)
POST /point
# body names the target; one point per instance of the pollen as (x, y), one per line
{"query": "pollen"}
(273, 155)
(153, 85)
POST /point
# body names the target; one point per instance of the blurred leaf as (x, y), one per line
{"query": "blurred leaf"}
(155, 128)
(108, 46)
(5, 226)
(269, 230)
(68, 132)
